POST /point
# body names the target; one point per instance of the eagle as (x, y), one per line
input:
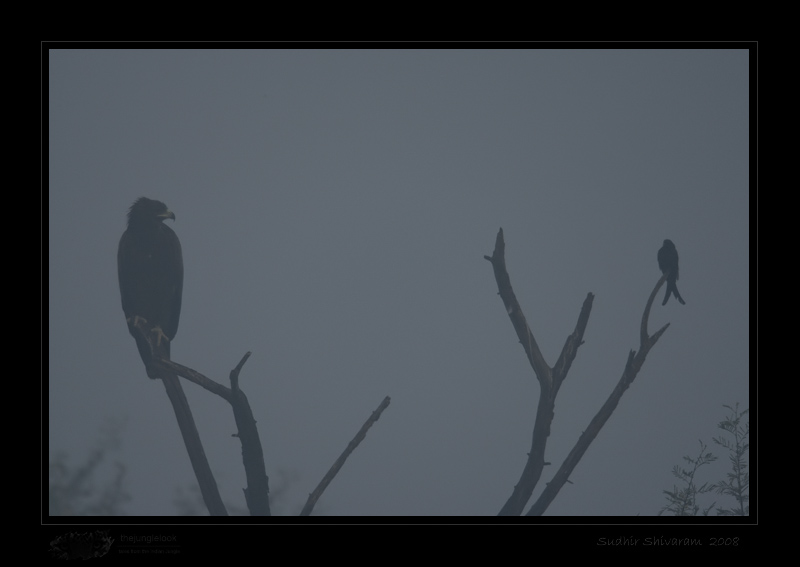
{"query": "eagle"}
(668, 263)
(150, 270)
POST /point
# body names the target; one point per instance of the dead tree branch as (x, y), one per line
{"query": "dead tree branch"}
(199, 379)
(550, 379)
(191, 438)
(326, 480)
(257, 490)
(632, 367)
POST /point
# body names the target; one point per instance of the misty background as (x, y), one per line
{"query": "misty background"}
(334, 207)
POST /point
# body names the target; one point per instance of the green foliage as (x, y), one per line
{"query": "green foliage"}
(737, 484)
(683, 500)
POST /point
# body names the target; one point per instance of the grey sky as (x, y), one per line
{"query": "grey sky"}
(334, 208)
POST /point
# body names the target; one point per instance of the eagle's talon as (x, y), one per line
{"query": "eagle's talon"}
(159, 335)
(136, 321)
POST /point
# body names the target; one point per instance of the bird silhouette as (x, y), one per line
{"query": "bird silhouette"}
(150, 267)
(668, 263)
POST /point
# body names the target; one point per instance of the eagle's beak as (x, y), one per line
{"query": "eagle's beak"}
(167, 215)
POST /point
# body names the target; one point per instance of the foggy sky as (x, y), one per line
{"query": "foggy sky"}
(334, 207)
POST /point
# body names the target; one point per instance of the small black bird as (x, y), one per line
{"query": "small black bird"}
(668, 263)
(150, 270)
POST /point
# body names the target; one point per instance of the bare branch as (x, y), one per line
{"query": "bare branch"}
(632, 367)
(570, 350)
(191, 438)
(257, 491)
(235, 372)
(644, 338)
(549, 380)
(199, 379)
(326, 480)
(526, 338)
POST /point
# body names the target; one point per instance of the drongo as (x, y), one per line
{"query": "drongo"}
(668, 263)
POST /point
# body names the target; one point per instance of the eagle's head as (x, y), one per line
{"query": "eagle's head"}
(148, 211)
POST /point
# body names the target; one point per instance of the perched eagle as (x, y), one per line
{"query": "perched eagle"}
(150, 269)
(668, 263)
